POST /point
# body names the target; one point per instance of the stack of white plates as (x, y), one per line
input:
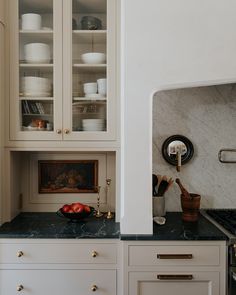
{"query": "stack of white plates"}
(93, 124)
(35, 86)
(37, 53)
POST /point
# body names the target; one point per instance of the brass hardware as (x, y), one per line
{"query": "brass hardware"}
(19, 288)
(175, 277)
(20, 253)
(66, 131)
(174, 256)
(58, 131)
(109, 215)
(94, 254)
(94, 288)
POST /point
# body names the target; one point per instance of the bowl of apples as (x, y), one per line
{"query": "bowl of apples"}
(75, 211)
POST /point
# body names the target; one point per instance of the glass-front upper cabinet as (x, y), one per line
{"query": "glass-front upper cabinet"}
(63, 69)
(35, 69)
(89, 69)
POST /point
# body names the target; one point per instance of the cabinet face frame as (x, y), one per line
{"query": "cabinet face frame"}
(15, 114)
(111, 49)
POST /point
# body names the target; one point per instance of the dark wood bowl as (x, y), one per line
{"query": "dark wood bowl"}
(76, 216)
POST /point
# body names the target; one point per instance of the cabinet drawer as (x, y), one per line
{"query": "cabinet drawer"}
(174, 255)
(59, 282)
(58, 253)
(194, 283)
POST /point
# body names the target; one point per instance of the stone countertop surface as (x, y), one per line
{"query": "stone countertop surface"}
(177, 230)
(51, 226)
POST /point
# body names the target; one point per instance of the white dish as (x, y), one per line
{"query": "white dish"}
(90, 88)
(46, 29)
(93, 121)
(93, 128)
(95, 96)
(93, 58)
(37, 53)
(31, 22)
(102, 86)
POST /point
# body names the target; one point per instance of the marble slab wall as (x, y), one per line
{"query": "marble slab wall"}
(207, 116)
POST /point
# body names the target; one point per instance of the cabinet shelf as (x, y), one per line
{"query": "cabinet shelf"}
(36, 98)
(79, 100)
(44, 36)
(38, 115)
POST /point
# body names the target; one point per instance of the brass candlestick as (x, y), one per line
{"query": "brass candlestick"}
(109, 214)
(98, 213)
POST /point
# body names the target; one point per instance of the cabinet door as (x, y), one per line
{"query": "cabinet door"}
(166, 283)
(90, 105)
(58, 282)
(35, 69)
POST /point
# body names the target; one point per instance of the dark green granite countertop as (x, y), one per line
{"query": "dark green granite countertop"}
(177, 230)
(51, 226)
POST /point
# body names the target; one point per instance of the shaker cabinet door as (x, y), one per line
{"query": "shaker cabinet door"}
(179, 283)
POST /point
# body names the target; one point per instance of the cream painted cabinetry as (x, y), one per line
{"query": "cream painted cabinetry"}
(2, 11)
(58, 267)
(181, 268)
(47, 96)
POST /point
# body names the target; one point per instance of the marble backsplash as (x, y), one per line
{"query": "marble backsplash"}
(207, 116)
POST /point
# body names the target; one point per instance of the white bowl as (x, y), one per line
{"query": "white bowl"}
(90, 88)
(93, 128)
(31, 22)
(93, 58)
(37, 53)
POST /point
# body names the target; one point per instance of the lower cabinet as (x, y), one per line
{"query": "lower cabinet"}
(174, 267)
(58, 282)
(166, 283)
(60, 267)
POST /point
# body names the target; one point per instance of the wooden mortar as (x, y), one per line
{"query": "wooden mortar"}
(190, 207)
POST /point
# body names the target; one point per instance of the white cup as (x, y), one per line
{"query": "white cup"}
(37, 53)
(102, 86)
(90, 88)
(31, 22)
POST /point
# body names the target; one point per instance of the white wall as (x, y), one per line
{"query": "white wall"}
(164, 42)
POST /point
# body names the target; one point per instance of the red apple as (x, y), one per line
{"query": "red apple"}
(66, 208)
(87, 209)
(77, 207)
(70, 211)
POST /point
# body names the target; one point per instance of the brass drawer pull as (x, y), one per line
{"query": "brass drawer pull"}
(94, 288)
(20, 254)
(174, 256)
(19, 288)
(94, 254)
(175, 277)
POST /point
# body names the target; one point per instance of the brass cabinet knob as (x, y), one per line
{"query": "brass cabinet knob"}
(94, 254)
(19, 288)
(66, 131)
(20, 253)
(58, 131)
(94, 288)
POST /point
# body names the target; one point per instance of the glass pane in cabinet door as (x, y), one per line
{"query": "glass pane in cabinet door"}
(89, 49)
(36, 65)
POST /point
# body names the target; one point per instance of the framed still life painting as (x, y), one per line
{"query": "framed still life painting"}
(67, 176)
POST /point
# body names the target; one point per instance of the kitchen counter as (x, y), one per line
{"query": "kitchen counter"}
(177, 230)
(51, 226)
